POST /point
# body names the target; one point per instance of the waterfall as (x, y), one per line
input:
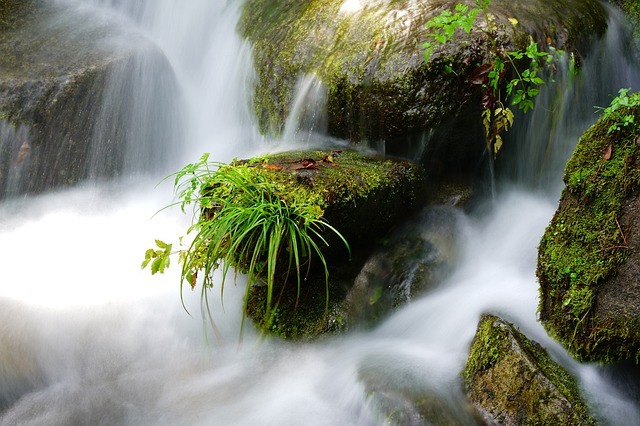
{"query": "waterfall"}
(89, 338)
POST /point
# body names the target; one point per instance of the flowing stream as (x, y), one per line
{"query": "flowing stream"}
(89, 338)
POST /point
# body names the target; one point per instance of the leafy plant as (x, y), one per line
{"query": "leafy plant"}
(615, 111)
(503, 66)
(246, 221)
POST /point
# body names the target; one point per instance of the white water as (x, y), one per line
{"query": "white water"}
(89, 338)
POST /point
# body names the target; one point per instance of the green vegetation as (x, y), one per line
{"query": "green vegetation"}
(615, 112)
(247, 221)
(585, 242)
(272, 218)
(516, 72)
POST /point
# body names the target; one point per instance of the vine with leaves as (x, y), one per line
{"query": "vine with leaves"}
(520, 69)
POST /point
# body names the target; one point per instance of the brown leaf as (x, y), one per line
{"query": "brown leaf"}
(487, 99)
(308, 163)
(481, 74)
(272, 167)
(606, 152)
(25, 148)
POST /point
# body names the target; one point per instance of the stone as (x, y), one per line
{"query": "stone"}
(511, 380)
(369, 57)
(69, 84)
(362, 197)
(589, 254)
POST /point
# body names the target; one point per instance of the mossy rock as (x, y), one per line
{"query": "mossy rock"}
(58, 124)
(362, 197)
(588, 258)
(371, 62)
(512, 380)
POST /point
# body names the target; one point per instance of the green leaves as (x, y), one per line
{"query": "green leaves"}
(158, 258)
(446, 24)
(617, 111)
(520, 67)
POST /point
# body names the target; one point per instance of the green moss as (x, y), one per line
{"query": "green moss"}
(373, 72)
(584, 243)
(512, 377)
(13, 13)
(487, 350)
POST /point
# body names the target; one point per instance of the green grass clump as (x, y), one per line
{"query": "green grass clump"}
(247, 221)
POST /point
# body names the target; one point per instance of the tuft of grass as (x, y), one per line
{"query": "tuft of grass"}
(246, 221)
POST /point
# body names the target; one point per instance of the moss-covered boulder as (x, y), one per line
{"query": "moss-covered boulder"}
(589, 255)
(369, 57)
(70, 88)
(362, 197)
(512, 381)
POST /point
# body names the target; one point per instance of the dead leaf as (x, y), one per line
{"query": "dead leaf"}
(480, 74)
(307, 163)
(272, 167)
(606, 152)
(25, 148)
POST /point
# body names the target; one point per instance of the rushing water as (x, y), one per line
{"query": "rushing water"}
(89, 338)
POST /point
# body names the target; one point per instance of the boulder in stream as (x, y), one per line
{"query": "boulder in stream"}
(362, 197)
(368, 56)
(511, 380)
(589, 255)
(72, 90)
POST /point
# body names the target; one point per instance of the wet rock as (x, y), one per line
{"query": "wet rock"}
(416, 258)
(70, 88)
(511, 380)
(589, 256)
(378, 88)
(402, 398)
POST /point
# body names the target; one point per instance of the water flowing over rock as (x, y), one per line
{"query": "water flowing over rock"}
(589, 256)
(415, 259)
(512, 381)
(369, 56)
(71, 99)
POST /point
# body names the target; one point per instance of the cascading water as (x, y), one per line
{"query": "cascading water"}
(89, 338)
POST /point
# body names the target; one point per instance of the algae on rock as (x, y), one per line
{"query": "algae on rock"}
(588, 258)
(511, 380)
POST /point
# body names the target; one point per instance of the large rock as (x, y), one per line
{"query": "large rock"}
(378, 86)
(71, 88)
(589, 256)
(362, 197)
(512, 381)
